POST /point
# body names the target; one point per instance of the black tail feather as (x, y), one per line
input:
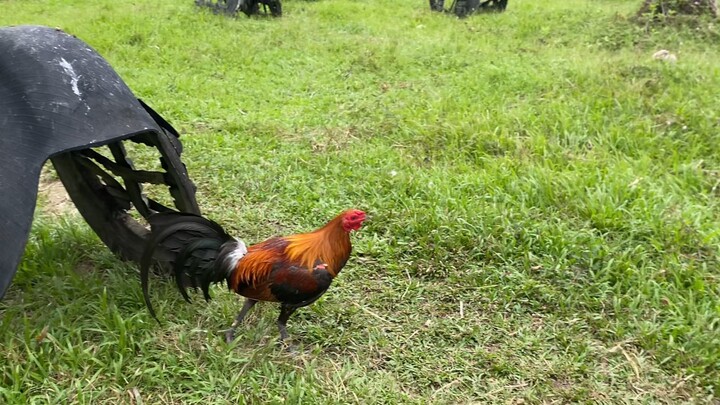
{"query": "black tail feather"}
(182, 264)
(191, 243)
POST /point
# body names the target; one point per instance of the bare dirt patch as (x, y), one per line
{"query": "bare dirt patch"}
(52, 197)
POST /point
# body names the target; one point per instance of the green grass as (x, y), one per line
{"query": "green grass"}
(544, 202)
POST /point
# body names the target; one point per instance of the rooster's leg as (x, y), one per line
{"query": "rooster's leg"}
(285, 312)
(230, 333)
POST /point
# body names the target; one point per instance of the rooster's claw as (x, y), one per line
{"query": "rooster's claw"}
(289, 347)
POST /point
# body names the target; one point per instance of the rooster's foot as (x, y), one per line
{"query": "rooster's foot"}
(229, 335)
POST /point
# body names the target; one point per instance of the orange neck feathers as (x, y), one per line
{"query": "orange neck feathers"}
(329, 244)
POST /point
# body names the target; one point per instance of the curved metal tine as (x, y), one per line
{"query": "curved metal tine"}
(157, 207)
(138, 176)
(184, 198)
(118, 191)
(133, 188)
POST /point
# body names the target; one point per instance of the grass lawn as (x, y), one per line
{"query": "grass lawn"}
(544, 200)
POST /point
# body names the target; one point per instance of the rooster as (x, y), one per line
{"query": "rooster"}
(292, 270)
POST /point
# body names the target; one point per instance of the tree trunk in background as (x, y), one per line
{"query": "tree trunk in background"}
(665, 7)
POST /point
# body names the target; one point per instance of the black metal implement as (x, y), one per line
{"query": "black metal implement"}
(58, 99)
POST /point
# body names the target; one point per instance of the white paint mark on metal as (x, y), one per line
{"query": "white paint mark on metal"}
(74, 77)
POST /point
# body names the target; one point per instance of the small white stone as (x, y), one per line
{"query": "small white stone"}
(665, 55)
